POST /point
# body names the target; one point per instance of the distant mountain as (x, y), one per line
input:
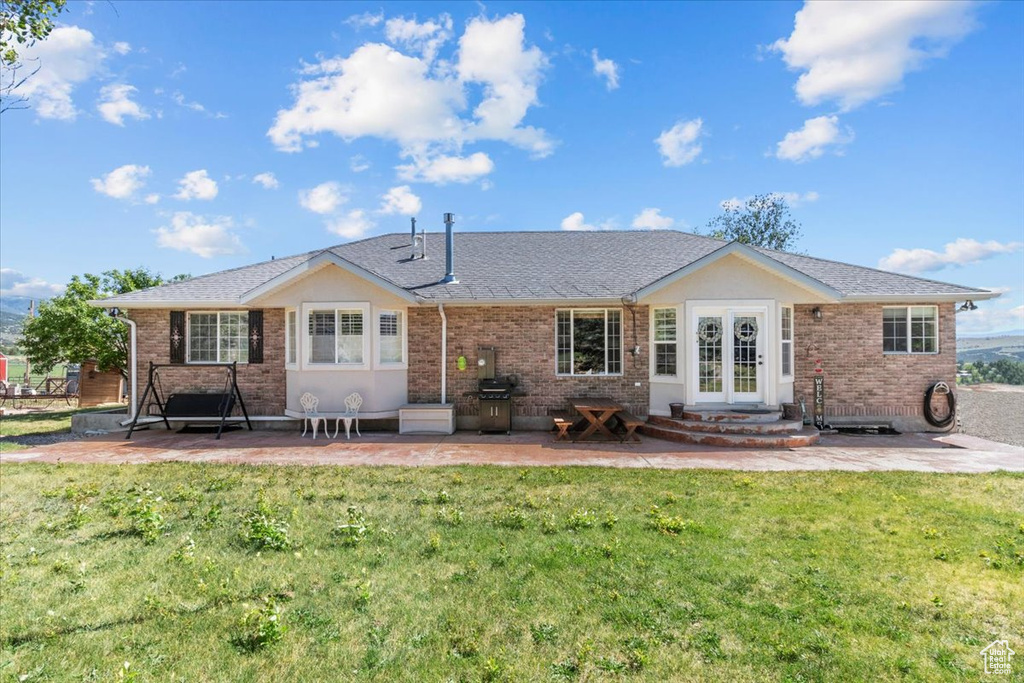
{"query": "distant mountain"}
(989, 349)
(17, 305)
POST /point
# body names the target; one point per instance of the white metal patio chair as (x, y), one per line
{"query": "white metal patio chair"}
(310, 408)
(353, 402)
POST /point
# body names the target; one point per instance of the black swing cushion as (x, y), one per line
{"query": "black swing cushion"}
(199, 405)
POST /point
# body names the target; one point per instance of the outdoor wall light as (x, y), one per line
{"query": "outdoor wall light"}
(968, 306)
(816, 312)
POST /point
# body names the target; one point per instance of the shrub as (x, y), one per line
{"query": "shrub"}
(581, 518)
(261, 530)
(147, 522)
(354, 530)
(260, 627)
(511, 518)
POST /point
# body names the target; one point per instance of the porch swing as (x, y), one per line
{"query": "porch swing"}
(190, 407)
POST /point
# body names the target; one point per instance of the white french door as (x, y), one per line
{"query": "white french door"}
(728, 351)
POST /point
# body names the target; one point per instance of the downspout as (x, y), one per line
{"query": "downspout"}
(134, 365)
(444, 354)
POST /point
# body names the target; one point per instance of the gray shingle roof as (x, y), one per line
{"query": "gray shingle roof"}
(538, 265)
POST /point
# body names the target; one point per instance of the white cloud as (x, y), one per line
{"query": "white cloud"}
(574, 221)
(811, 141)
(441, 169)
(651, 219)
(123, 182)
(196, 185)
(180, 100)
(793, 199)
(606, 69)
(152, 198)
(365, 20)
(957, 253)
(853, 52)
(402, 201)
(493, 53)
(116, 104)
(988, 320)
(322, 199)
(426, 38)
(69, 56)
(205, 237)
(679, 144)
(268, 180)
(358, 163)
(378, 91)
(352, 225)
(122, 48)
(15, 283)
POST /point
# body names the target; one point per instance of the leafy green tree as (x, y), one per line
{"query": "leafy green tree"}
(762, 221)
(68, 329)
(22, 23)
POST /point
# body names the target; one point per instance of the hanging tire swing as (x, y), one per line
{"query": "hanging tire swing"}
(946, 420)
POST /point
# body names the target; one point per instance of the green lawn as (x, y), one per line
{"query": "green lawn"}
(41, 422)
(488, 574)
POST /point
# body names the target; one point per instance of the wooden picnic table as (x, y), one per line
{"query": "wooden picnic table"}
(597, 411)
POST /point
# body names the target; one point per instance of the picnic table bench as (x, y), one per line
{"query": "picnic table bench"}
(564, 421)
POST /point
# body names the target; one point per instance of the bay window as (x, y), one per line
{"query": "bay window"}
(588, 341)
(335, 334)
(390, 338)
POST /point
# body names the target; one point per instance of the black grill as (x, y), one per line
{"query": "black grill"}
(495, 405)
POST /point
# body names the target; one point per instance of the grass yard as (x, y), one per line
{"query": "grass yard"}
(214, 573)
(39, 422)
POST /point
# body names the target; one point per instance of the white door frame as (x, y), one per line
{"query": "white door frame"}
(767, 336)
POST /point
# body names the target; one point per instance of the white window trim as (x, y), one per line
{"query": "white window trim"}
(188, 336)
(667, 379)
(306, 343)
(572, 341)
(909, 351)
(287, 340)
(378, 364)
(792, 343)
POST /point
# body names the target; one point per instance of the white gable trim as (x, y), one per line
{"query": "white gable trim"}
(324, 258)
(752, 255)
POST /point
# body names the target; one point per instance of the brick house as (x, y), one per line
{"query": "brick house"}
(648, 318)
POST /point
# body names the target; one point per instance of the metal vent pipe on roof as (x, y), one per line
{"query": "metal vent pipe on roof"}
(449, 250)
(412, 240)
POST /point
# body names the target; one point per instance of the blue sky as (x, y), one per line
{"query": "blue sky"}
(194, 137)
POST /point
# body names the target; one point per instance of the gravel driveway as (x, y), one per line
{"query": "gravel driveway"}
(993, 411)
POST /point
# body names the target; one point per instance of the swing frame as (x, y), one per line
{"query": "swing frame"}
(230, 394)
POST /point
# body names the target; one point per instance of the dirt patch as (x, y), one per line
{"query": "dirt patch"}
(993, 411)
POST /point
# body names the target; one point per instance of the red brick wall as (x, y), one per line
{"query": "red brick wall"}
(524, 342)
(859, 379)
(262, 385)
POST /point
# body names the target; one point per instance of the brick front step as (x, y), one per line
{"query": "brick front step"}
(804, 437)
(727, 426)
(725, 415)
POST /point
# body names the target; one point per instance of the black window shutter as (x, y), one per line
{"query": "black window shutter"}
(177, 336)
(256, 336)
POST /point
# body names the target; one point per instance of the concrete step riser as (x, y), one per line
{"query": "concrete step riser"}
(729, 416)
(732, 440)
(723, 427)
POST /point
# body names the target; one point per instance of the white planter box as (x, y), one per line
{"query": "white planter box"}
(426, 418)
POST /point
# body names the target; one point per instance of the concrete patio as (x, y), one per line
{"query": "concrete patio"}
(910, 452)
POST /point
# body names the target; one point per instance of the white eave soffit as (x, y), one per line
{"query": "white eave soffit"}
(324, 258)
(743, 251)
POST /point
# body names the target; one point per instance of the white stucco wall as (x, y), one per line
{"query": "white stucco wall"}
(383, 389)
(731, 281)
